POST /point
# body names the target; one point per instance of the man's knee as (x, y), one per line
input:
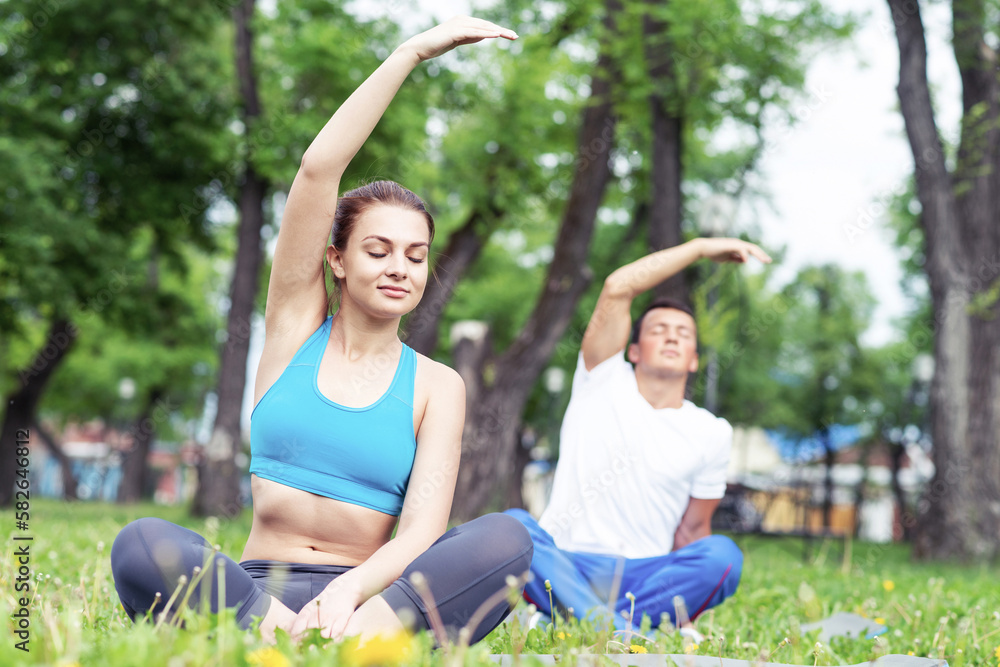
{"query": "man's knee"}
(725, 557)
(521, 515)
(715, 553)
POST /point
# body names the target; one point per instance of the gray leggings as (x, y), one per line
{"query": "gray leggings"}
(466, 566)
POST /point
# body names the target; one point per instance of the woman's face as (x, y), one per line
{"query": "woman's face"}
(383, 269)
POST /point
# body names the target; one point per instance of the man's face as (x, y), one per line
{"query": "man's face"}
(668, 344)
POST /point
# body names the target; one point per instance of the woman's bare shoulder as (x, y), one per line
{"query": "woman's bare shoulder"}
(436, 380)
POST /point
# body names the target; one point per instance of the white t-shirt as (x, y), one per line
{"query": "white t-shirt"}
(627, 470)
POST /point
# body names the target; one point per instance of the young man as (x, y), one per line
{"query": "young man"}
(641, 470)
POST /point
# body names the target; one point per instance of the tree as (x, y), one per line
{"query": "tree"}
(97, 145)
(148, 382)
(958, 213)
(218, 491)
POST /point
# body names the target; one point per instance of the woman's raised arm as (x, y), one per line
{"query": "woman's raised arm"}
(296, 296)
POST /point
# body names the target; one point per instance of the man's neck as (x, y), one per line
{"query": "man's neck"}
(661, 392)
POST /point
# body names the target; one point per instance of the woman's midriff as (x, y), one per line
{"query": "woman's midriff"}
(296, 526)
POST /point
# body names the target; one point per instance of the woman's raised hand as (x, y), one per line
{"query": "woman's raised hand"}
(454, 32)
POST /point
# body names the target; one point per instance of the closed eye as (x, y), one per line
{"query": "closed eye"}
(416, 260)
(377, 255)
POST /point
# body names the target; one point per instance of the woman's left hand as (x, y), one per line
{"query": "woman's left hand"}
(329, 611)
(455, 32)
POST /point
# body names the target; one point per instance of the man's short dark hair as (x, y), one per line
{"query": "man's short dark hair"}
(664, 302)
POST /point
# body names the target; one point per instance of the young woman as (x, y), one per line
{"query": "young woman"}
(353, 434)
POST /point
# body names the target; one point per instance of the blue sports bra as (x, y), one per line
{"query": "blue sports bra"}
(363, 456)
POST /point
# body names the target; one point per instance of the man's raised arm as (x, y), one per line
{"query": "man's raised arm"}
(608, 330)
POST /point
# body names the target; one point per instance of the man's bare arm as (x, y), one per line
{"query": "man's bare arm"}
(608, 329)
(696, 522)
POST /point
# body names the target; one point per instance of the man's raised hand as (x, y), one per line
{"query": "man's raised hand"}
(455, 32)
(731, 250)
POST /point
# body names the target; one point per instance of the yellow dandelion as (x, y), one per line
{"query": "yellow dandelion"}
(889, 585)
(997, 653)
(560, 635)
(910, 653)
(690, 648)
(380, 650)
(637, 648)
(267, 657)
(880, 620)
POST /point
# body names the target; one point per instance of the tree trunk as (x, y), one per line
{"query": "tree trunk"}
(959, 514)
(896, 451)
(135, 464)
(522, 456)
(218, 492)
(493, 420)
(829, 459)
(859, 490)
(65, 465)
(667, 209)
(22, 404)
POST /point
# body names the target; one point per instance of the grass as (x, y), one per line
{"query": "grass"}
(936, 610)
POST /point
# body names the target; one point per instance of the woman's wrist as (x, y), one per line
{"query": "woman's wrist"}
(405, 52)
(347, 587)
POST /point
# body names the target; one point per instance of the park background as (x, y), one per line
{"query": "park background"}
(146, 151)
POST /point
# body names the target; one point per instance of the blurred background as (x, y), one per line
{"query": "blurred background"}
(146, 150)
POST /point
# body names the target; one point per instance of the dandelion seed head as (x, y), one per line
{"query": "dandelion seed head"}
(511, 581)
(630, 596)
(548, 585)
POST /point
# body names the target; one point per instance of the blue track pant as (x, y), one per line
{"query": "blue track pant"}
(704, 573)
